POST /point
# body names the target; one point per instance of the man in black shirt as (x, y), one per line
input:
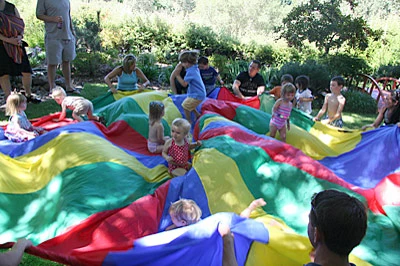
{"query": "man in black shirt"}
(249, 83)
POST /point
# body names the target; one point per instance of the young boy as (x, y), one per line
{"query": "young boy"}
(208, 74)
(196, 90)
(337, 224)
(276, 91)
(79, 106)
(333, 104)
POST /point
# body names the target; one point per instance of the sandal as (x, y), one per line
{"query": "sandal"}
(33, 99)
(74, 90)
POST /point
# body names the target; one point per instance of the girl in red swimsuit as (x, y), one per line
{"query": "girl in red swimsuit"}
(177, 149)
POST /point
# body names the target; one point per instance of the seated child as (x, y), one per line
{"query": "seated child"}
(155, 143)
(303, 95)
(19, 128)
(186, 212)
(79, 106)
(281, 112)
(177, 149)
(208, 74)
(333, 104)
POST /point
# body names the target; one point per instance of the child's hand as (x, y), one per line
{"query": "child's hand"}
(169, 159)
(113, 90)
(56, 120)
(325, 121)
(316, 119)
(198, 143)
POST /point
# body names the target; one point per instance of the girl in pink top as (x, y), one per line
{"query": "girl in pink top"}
(281, 112)
(177, 149)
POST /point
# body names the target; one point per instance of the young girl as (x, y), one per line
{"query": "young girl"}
(177, 149)
(196, 90)
(281, 112)
(79, 106)
(390, 113)
(19, 128)
(303, 95)
(155, 143)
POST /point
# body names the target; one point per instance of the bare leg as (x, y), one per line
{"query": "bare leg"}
(77, 117)
(228, 255)
(272, 130)
(5, 85)
(253, 205)
(51, 75)
(91, 116)
(187, 114)
(282, 133)
(66, 70)
(27, 83)
(196, 113)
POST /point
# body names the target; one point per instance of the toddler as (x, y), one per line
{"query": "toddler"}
(177, 149)
(303, 95)
(19, 129)
(79, 106)
(155, 143)
(281, 112)
(208, 74)
(186, 212)
(196, 91)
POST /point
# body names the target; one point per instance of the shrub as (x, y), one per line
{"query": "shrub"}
(89, 63)
(389, 71)
(345, 65)
(359, 102)
(146, 62)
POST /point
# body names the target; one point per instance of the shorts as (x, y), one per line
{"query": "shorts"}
(83, 107)
(152, 146)
(58, 51)
(190, 104)
(337, 123)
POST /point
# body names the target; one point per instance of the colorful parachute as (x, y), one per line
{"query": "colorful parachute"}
(87, 194)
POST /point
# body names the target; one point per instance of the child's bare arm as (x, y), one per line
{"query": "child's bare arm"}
(276, 105)
(323, 109)
(195, 144)
(165, 155)
(172, 226)
(63, 112)
(253, 205)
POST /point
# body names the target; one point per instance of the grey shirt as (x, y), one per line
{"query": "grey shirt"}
(56, 8)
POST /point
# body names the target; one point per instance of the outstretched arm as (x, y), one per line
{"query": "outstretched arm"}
(253, 205)
(14, 256)
(323, 109)
(235, 88)
(377, 121)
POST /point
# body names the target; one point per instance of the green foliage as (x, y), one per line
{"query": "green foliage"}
(234, 68)
(201, 38)
(219, 62)
(324, 24)
(89, 63)
(87, 29)
(264, 53)
(318, 73)
(389, 71)
(146, 62)
(359, 102)
(345, 65)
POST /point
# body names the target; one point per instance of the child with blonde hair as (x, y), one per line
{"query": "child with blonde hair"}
(281, 112)
(196, 90)
(156, 140)
(79, 106)
(186, 212)
(177, 149)
(19, 128)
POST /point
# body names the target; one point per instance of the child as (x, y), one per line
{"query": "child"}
(177, 149)
(281, 112)
(19, 129)
(196, 90)
(276, 91)
(155, 143)
(186, 212)
(303, 95)
(333, 103)
(79, 106)
(208, 74)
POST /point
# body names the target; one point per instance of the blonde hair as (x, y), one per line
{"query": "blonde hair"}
(189, 57)
(156, 109)
(58, 92)
(128, 61)
(186, 210)
(182, 123)
(287, 88)
(14, 100)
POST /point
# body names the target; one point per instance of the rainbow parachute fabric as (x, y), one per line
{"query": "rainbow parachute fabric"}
(87, 194)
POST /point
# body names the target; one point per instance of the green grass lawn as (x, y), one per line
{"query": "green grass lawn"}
(91, 91)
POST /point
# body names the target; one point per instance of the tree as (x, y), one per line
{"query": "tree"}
(324, 24)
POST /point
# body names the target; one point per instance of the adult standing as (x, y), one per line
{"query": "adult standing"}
(13, 58)
(59, 38)
(249, 83)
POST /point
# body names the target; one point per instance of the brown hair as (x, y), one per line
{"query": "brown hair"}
(287, 88)
(156, 109)
(186, 210)
(189, 57)
(129, 60)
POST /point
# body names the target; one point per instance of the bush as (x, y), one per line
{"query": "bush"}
(146, 62)
(345, 65)
(389, 71)
(359, 102)
(89, 63)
